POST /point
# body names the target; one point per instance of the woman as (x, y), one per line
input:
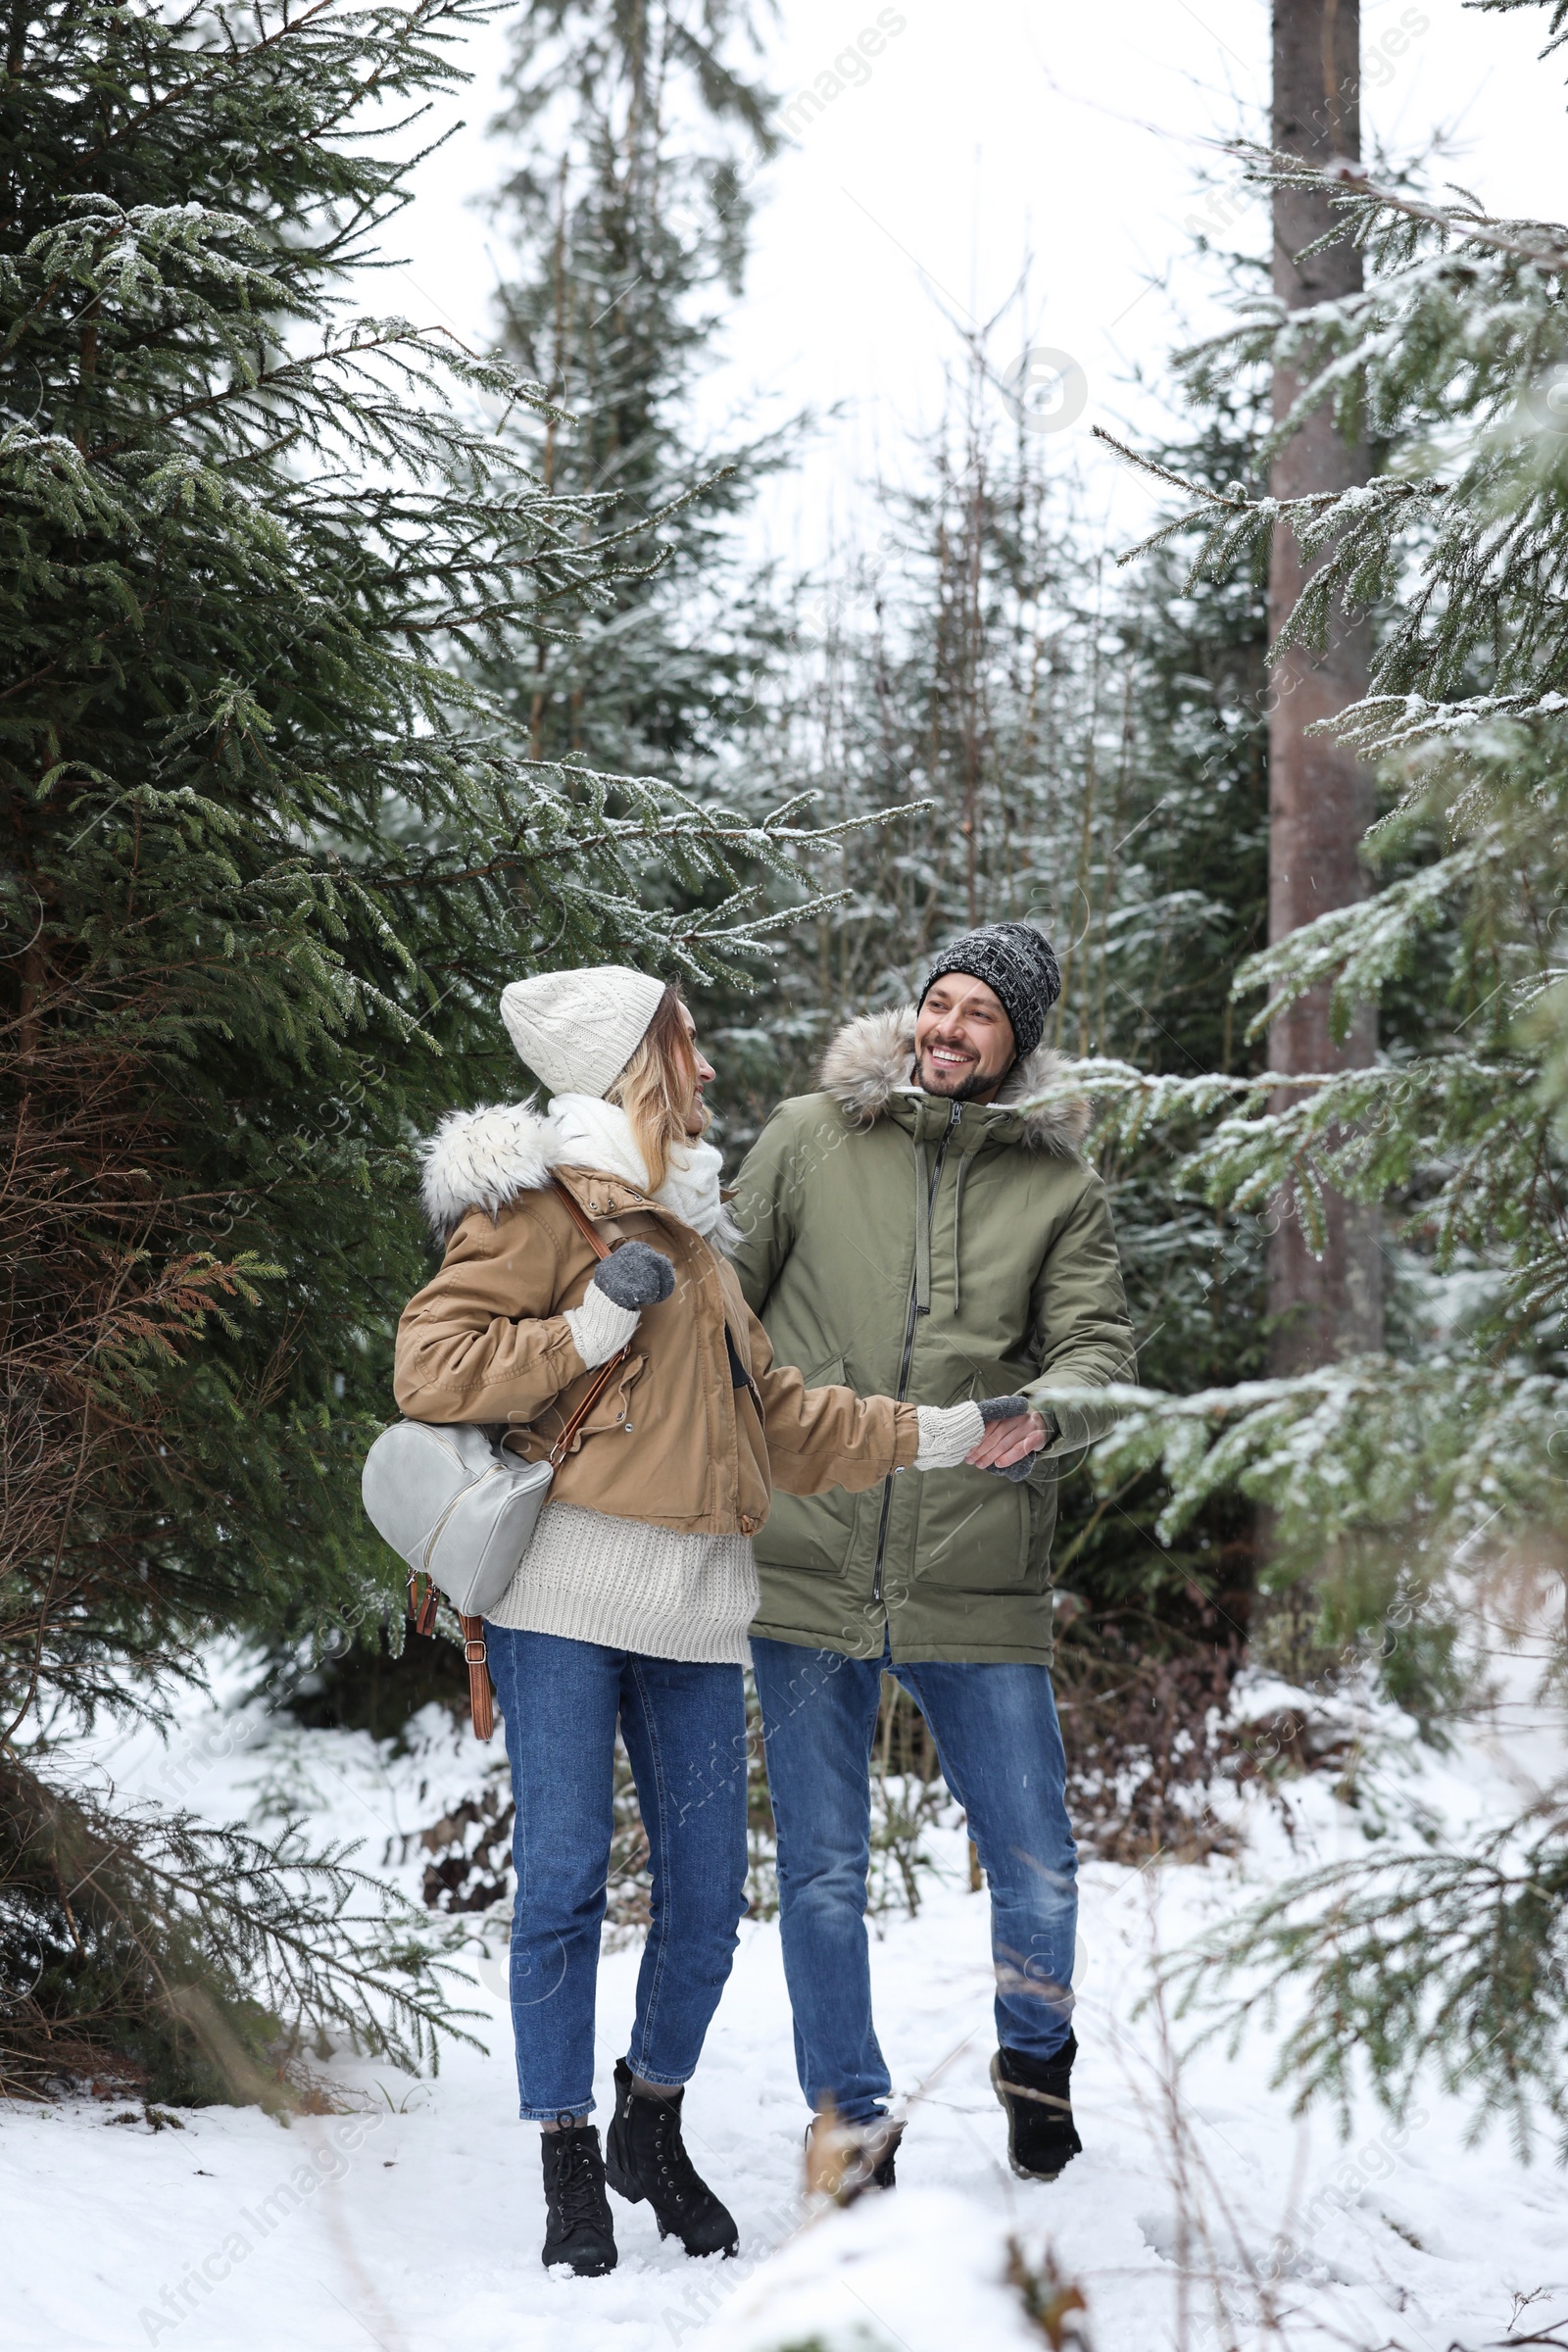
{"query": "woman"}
(633, 1601)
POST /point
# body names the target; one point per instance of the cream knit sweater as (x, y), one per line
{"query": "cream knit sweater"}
(587, 1577)
(628, 1585)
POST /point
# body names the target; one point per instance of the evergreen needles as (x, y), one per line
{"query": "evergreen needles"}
(198, 1963)
(1388, 1473)
(1455, 1959)
(267, 858)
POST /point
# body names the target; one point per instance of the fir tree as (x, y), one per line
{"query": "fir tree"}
(1391, 1475)
(955, 668)
(269, 855)
(629, 213)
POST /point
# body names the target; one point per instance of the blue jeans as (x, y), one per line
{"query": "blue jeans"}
(685, 1731)
(998, 1737)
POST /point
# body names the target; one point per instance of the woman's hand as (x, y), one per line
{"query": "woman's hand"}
(632, 1277)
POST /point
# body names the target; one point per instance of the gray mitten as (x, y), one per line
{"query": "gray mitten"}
(1008, 1409)
(634, 1275)
(631, 1278)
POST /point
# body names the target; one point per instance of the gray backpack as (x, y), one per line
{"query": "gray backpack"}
(455, 1506)
(461, 1509)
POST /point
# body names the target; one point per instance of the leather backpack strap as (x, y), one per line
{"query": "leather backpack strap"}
(422, 1598)
(585, 1405)
(581, 1219)
(482, 1698)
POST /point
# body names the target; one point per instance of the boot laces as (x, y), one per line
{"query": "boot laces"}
(675, 2166)
(577, 2183)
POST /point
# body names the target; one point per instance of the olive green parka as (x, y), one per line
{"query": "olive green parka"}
(931, 1252)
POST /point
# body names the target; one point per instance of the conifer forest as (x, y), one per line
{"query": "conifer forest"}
(1176, 565)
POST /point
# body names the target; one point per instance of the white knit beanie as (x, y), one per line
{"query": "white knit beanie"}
(579, 1030)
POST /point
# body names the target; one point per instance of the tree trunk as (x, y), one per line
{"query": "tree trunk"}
(1320, 800)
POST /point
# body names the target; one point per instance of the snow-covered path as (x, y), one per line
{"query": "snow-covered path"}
(413, 2222)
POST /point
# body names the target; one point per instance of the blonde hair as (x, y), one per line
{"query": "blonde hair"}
(655, 1089)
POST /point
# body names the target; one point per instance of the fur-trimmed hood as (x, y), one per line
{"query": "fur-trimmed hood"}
(485, 1159)
(871, 1057)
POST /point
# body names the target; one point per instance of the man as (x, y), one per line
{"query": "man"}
(912, 1231)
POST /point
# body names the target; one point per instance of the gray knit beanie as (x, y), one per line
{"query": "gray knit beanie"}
(1016, 963)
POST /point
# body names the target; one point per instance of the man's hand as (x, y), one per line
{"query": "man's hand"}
(1013, 1432)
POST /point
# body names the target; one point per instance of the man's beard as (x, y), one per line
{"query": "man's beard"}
(967, 1088)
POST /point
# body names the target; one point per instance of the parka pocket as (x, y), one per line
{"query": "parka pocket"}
(811, 1535)
(976, 1533)
(612, 1410)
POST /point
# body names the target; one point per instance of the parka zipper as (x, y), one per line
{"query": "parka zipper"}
(908, 1346)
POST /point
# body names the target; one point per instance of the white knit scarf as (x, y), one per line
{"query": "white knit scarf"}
(595, 1134)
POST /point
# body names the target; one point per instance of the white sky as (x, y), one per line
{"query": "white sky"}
(984, 132)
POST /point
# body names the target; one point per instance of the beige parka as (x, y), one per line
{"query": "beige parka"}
(672, 1442)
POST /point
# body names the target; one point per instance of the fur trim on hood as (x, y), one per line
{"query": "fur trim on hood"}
(871, 1057)
(483, 1159)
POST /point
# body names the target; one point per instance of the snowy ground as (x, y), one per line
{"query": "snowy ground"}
(413, 2222)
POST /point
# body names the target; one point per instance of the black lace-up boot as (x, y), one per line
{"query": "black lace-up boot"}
(579, 2230)
(647, 2158)
(1036, 2093)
